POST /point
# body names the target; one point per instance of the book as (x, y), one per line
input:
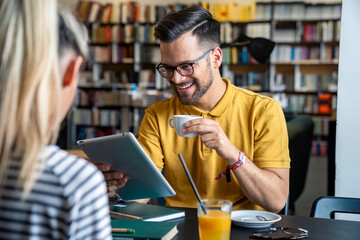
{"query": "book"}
(83, 10)
(324, 100)
(106, 15)
(93, 12)
(145, 212)
(145, 230)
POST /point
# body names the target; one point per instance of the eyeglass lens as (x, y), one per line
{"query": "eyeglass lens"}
(183, 69)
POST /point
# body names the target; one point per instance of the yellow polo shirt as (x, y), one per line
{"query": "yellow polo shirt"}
(255, 124)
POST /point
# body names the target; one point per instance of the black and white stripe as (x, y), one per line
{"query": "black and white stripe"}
(68, 201)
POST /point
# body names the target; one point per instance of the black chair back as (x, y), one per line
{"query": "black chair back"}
(300, 130)
(326, 207)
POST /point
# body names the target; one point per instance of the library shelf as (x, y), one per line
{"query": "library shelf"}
(307, 33)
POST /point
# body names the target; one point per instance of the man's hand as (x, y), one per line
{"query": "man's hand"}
(269, 188)
(114, 180)
(212, 135)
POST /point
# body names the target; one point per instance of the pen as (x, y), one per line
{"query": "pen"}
(123, 230)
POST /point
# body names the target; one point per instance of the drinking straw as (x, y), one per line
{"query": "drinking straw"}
(192, 183)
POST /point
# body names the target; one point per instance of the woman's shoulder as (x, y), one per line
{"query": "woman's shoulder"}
(68, 166)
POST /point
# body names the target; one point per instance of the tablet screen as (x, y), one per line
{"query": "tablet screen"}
(125, 154)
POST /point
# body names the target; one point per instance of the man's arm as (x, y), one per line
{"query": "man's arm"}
(268, 187)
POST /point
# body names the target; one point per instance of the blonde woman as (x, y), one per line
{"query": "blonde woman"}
(44, 192)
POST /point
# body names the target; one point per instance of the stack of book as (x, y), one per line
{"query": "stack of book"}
(143, 221)
(144, 212)
(130, 229)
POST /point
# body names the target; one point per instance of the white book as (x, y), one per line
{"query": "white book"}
(222, 35)
(137, 52)
(258, 30)
(96, 71)
(124, 13)
(94, 11)
(227, 30)
(285, 35)
(152, 13)
(114, 53)
(142, 13)
(297, 78)
(158, 80)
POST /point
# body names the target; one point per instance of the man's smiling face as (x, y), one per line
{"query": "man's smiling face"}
(186, 49)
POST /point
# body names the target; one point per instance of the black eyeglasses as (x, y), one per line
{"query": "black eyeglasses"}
(184, 69)
(280, 233)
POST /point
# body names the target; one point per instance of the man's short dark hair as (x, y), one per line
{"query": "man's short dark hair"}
(193, 19)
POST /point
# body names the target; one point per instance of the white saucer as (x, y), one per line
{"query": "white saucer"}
(254, 218)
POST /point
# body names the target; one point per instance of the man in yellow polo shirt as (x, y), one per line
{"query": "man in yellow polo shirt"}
(240, 129)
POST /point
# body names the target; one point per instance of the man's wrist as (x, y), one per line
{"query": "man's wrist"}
(242, 157)
(240, 161)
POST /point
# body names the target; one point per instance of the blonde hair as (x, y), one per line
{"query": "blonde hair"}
(30, 83)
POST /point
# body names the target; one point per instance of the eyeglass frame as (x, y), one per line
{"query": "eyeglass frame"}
(176, 67)
(266, 233)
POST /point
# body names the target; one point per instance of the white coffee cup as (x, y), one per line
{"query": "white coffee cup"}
(178, 122)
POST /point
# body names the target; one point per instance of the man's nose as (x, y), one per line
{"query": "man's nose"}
(177, 77)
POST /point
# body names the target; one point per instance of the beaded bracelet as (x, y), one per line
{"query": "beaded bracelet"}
(240, 162)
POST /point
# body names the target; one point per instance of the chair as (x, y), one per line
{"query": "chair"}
(326, 207)
(285, 210)
(300, 131)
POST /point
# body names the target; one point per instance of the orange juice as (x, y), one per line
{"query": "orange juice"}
(215, 225)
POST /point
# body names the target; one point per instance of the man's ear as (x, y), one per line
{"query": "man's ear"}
(217, 56)
(72, 71)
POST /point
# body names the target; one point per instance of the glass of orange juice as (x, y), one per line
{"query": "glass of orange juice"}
(216, 223)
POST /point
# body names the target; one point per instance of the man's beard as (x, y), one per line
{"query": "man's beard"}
(199, 92)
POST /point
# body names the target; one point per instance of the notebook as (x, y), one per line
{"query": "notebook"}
(145, 230)
(144, 212)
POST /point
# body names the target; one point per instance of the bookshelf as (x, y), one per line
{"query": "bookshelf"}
(304, 64)
(121, 80)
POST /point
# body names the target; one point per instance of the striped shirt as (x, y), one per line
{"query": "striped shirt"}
(68, 201)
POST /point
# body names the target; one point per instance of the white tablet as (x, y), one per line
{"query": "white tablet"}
(125, 154)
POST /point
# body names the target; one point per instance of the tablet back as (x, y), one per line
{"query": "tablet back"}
(125, 154)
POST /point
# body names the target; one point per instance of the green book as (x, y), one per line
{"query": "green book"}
(144, 230)
(144, 212)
